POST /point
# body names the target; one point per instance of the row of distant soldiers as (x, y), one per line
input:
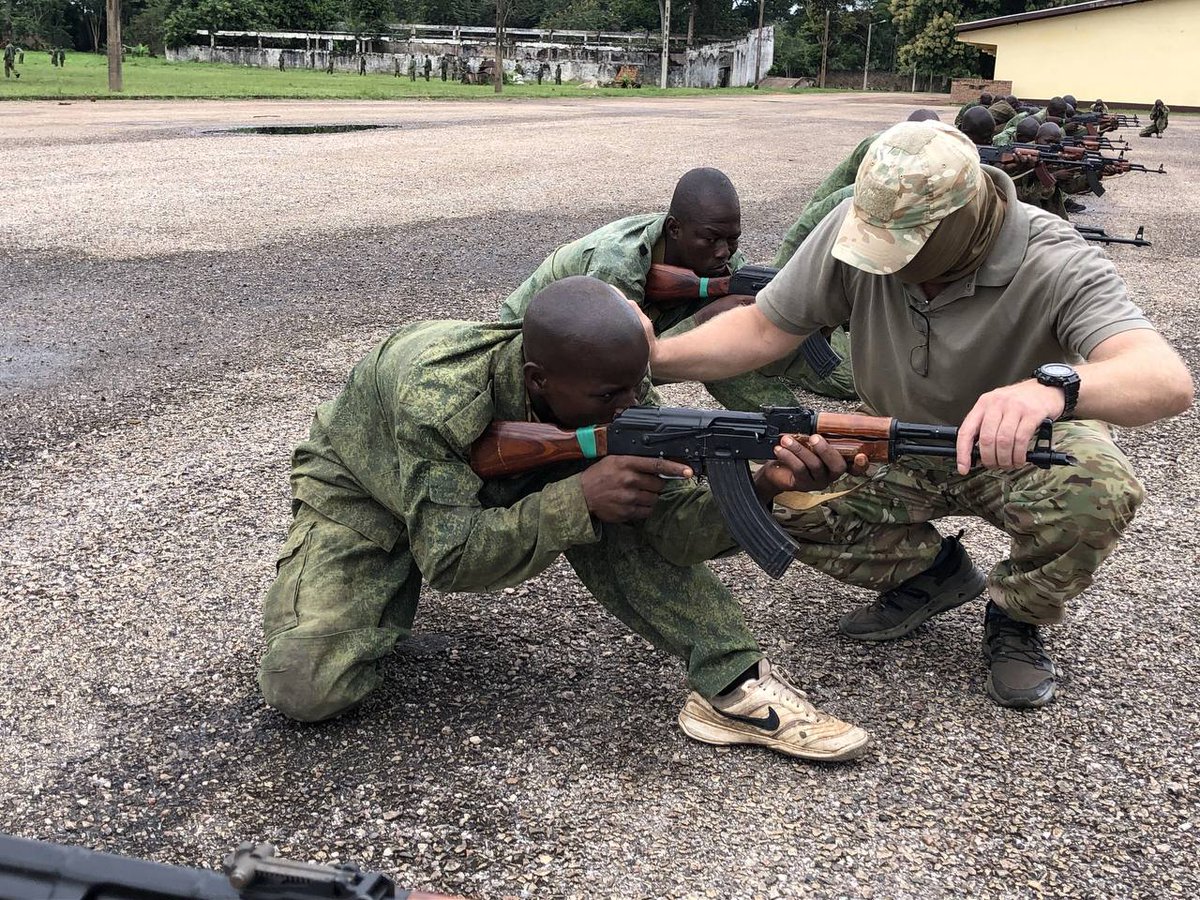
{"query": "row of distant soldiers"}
(14, 55)
(1055, 151)
(453, 68)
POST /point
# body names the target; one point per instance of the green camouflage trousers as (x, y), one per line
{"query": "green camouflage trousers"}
(1062, 522)
(773, 384)
(340, 602)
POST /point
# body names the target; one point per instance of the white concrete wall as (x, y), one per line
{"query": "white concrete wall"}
(699, 67)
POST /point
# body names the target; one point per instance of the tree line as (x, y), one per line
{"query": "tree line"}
(905, 35)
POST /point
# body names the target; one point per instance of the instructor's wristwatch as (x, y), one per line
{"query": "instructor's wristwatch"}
(1060, 375)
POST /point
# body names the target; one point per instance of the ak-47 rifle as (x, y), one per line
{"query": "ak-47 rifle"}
(672, 285)
(1100, 236)
(1041, 160)
(33, 869)
(719, 445)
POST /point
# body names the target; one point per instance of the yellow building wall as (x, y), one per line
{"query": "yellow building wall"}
(1124, 54)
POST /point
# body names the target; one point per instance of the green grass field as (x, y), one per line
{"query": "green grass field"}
(85, 76)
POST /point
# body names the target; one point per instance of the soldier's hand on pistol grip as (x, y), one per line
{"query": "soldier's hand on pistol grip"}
(804, 463)
(625, 488)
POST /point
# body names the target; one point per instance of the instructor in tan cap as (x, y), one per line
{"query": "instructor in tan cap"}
(966, 307)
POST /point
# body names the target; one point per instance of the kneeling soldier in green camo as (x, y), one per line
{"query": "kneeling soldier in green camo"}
(700, 231)
(385, 498)
(960, 311)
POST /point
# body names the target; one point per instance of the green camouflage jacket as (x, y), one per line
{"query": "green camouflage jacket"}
(619, 254)
(809, 219)
(389, 458)
(846, 171)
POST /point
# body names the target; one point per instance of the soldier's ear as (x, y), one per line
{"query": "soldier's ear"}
(672, 227)
(535, 379)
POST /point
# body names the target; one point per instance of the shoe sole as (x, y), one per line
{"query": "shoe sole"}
(722, 735)
(922, 615)
(1020, 702)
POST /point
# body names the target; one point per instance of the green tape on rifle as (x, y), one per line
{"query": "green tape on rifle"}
(703, 288)
(587, 441)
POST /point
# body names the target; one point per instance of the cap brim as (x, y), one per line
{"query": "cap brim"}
(876, 250)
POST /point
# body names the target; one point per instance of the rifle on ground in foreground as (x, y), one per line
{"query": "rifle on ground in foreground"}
(1100, 236)
(672, 285)
(35, 869)
(719, 445)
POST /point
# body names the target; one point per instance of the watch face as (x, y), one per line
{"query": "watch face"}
(1057, 370)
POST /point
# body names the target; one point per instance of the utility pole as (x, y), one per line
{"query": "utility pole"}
(867, 58)
(825, 49)
(113, 11)
(758, 46)
(664, 7)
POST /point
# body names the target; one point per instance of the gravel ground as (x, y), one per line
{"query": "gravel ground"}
(177, 303)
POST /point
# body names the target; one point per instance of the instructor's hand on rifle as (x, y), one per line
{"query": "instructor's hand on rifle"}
(726, 303)
(1003, 423)
(804, 463)
(625, 488)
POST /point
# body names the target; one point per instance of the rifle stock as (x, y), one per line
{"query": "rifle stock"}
(513, 448)
(673, 285)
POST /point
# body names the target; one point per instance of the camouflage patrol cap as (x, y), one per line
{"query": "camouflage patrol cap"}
(912, 177)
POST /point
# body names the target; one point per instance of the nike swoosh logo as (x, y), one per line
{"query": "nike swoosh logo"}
(769, 722)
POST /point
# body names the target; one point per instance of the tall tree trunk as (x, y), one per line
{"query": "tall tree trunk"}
(691, 23)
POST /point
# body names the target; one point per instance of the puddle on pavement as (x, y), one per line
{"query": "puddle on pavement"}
(299, 129)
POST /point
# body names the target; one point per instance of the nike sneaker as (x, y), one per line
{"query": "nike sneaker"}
(768, 711)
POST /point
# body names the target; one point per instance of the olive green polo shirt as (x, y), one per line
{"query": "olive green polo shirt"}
(1044, 294)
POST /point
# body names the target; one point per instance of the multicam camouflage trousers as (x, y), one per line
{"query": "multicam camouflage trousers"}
(340, 602)
(1063, 522)
(772, 385)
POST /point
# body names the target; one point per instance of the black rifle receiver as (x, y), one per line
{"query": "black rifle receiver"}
(719, 444)
(32, 870)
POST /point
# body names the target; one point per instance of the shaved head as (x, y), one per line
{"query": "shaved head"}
(1057, 107)
(978, 125)
(1027, 129)
(1049, 133)
(986, 99)
(924, 115)
(578, 320)
(701, 191)
(586, 354)
(704, 223)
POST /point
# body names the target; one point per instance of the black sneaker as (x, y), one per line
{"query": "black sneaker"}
(1022, 675)
(1073, 206)
(951, 582)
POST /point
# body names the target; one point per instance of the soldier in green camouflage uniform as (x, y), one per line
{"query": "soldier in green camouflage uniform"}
(384, 497)
(955, 294)
(700, 233)
(1159, 114)
(985, 100)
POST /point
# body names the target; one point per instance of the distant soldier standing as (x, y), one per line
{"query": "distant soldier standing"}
(412, 68)
(10, 61)
(558, 74)
(1158, 117)
(445, 65)
(428, 67)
